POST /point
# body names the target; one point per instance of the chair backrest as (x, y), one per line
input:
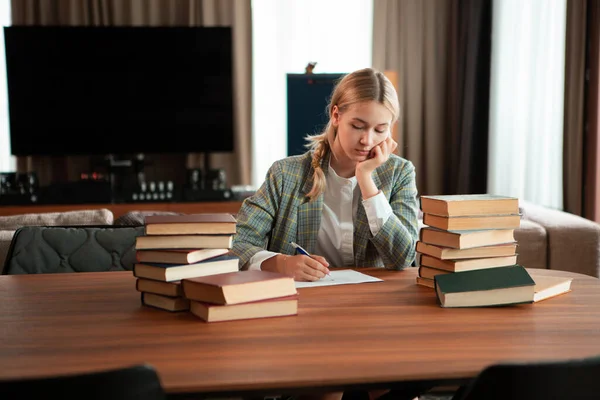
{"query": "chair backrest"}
(572, 379)
(55, 249)
(130, 383)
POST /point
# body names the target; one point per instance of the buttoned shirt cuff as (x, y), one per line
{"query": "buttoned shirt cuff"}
(378, 211)
(258, 258)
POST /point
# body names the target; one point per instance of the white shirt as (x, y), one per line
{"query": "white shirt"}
(335, 240)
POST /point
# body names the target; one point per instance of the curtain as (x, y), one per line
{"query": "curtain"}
(468, 96)
(526, 100)
(591, 140)
(441, 52)
(155, 13)
(573, 162)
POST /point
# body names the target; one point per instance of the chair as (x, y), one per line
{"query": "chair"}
(55, 249)
(129, 383)
(573, 380)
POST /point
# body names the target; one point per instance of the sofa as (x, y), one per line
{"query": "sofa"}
(547, 238)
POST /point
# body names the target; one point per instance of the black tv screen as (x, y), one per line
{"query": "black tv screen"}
(119, 90)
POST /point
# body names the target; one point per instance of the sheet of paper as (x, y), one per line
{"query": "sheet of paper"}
(342, 277)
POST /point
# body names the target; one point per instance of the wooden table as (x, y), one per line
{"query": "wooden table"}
(367, 335)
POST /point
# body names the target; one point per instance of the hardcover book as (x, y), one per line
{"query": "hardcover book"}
(425, 282)
(430, 273)
(485, 287)
(468, 264)
(172, 289)
(448, 253)
(166, 303)
(239, 287)
(175, 272)
(469, 204)
(278, 307)
(500, 221)
(205, 223)
(550, 286)
(183, 242)
(178, 256)
(466, 239)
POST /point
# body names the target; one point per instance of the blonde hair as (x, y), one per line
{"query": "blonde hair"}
(365, 84)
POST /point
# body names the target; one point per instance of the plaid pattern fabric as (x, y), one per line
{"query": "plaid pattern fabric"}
(279, 213)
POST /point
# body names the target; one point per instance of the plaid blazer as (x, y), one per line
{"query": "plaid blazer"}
(279, 213)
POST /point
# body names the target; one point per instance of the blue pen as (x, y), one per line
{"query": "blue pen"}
(301, 250)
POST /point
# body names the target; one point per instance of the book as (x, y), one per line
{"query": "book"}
(467, 264)
(172, 289)
(448, 253)
(239, 287)
(466, 239)
(176, 272)
(167, 303)
(425, 282)
(429, 273)
(550, 286)
(205, 223)
(278, 307)
(485, 287)
(501, 221)
(469, 204)
(178, 256)
(183, 242)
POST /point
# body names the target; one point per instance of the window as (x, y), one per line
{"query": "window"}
(287, 35)
(7, 162)
(526, 100)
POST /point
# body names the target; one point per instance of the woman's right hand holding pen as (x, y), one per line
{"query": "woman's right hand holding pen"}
(303, 268)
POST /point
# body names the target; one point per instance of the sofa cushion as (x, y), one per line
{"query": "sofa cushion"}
(80, 217)
(532, 245)
(41, 250)
(573, 241)
(136, 218)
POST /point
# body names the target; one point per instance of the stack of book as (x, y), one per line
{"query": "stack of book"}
(175, 247)
(466, 233)
(241, 295)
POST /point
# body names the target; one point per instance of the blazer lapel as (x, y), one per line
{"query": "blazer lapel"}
(309, 213)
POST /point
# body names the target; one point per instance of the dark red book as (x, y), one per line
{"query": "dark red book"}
(238, 287)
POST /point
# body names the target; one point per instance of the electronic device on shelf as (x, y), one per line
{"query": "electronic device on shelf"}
(18, 188)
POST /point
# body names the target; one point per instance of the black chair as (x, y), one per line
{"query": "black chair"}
(572, 380)
(130, 383)
(56, 249)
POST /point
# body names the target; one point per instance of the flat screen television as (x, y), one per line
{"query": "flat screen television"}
(119, 90)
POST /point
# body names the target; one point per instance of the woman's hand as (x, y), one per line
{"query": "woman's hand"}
(379, 155)
(304, 268)
(364, 169)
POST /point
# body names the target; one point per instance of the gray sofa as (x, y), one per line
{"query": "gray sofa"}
(547, 238)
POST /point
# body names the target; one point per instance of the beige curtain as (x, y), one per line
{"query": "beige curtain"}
(591, 143)
(409, 36)
(156, 13)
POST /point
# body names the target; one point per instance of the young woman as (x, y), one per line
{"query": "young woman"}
(349, 201)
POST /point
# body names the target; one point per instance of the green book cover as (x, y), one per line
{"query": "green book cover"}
(485, 287)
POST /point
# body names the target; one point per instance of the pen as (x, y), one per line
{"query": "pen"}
(301, 250)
